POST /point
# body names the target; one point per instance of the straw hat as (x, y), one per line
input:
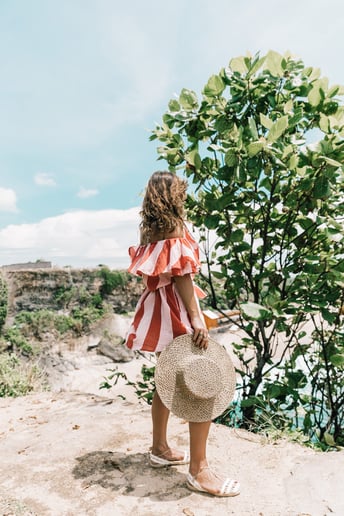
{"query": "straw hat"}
(195, 384)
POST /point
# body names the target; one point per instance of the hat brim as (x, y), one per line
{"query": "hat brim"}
(185, 405)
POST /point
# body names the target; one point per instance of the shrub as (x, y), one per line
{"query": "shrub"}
(17, 341)
(18, 378)
(111, 280)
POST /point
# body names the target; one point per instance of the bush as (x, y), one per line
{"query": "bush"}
(144, 389)
(37, 323)
(17, 341)
(18, 378)
(111, 280)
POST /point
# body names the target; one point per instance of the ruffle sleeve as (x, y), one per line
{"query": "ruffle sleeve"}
(165, 258)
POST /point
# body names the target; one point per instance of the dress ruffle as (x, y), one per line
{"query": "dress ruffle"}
(160, 261)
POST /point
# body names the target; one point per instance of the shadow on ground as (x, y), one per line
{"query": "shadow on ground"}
(130, 474)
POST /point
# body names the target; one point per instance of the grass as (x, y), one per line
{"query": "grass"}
(19, 378)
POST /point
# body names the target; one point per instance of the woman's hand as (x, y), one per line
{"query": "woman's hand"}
(200, 334)
(186, 291)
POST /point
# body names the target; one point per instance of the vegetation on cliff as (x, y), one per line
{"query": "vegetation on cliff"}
(52, 303)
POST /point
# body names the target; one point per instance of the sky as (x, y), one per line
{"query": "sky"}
(83, 84)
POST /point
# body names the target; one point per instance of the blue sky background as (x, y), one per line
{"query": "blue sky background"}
(83, 83)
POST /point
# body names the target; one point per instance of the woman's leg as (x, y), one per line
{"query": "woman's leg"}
(198, 446)
(198, 458)
(160, 415)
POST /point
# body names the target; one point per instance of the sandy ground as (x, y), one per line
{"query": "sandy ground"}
(78, 453)
(81, 451)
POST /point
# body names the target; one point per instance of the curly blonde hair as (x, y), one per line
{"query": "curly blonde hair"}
(163, 205)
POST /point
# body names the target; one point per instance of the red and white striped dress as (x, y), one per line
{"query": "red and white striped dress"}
(160, 314)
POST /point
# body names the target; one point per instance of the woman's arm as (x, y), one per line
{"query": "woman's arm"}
(186, 291)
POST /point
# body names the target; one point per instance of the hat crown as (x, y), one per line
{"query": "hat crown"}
(201, 377)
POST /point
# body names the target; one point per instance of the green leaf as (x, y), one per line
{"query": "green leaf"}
(297, 117)
(194, 159)
(305, 185)
(253, 128)
(188, 99)
(332, 162)
(249, 402)
(332, 92)
(312, 73)
(273, 63)
(225, 173)
(255, 311)
(212, 221)
(237, 64)
(317, 93)
(237, 267)
(314, 96)
(237, 236)
(265, 183)
(265, 121)
(338, 116)
(254, 148)
(289, 149)
(277, 390)
(324, 123)
(288, 106)
(321, 188)
(328, 438)
(244, 246)
(223, 201)
(278, 128)
(337, 360)
(214, 86)
(257, 64)
(173, 156)
(174, 106)
(293, 162)
(231, 158)
(222, 124)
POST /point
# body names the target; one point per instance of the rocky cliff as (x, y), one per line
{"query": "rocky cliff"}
(58, 318)
(52, 289)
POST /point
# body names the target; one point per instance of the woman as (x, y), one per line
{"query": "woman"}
(167, 258)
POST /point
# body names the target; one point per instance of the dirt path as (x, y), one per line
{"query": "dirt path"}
(76, 454)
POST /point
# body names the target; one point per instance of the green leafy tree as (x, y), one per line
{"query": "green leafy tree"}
(264, 150)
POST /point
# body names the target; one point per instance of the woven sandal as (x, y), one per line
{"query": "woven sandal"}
(229, 487)
(159, 462)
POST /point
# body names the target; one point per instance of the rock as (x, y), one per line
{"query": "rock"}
(113, 324)
(92, 342)
(112, 346)
(55, 362)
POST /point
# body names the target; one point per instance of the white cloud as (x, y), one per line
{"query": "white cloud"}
(8, 200)
(85, 193)
(78, 239)
(43, 179)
